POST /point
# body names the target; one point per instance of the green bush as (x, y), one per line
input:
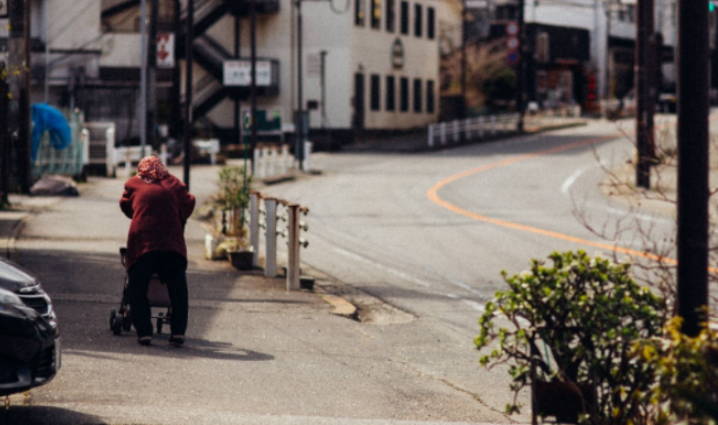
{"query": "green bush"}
(585, 314)
(232, 198)
(687, 368)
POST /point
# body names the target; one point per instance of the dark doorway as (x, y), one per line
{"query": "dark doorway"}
(359, 102)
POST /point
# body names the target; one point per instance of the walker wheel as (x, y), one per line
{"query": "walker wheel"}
(160, 321)
(126, 323)
(116, 325)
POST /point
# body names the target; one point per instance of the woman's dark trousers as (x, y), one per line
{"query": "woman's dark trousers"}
(171, 268)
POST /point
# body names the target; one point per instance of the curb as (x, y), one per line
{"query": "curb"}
(341, 306)
(22, 214)
(11, 248)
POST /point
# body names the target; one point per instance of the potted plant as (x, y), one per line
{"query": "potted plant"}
(232, 199)
(238, 251)
(574, 323)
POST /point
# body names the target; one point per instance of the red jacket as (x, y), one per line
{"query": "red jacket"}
(159, 212)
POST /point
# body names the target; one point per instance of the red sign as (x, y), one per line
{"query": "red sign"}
(165, 50)
(513, 57)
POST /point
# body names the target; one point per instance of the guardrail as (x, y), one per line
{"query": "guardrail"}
(489, 126)
(475, 128)
(271, 160)
(271, 217)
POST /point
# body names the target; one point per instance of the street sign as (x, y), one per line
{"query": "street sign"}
(165, 50)
(513, 57)
(512, 28)
(239, 73)
(512, 43)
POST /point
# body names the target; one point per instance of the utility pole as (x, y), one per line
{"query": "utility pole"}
(253, 83)
(4, 135)
(693, 190)
(143, 76)
(150, 122)
(237, 103)
(520, 67)
(462, 113)
(645, 92)
(189, 36)
(323, 82)
(19, 87)
(299, 141)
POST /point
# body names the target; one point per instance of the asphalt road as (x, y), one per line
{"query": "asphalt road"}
(417, 241)
(430, 233)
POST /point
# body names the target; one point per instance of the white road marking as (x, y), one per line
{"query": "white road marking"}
(473, 304)
(391, 271)
(571, 180)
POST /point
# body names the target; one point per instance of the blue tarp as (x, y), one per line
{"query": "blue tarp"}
(46, 118)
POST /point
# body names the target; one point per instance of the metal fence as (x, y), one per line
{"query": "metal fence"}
(69, 161)
(475, 128)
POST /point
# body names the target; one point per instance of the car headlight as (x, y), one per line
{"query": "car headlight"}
(8, 298)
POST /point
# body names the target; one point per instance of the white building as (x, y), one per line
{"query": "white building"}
(380, 62)
(380, 58)
(611, 24)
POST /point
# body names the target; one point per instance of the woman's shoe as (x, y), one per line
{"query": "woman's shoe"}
(177, 340)
(145, 340)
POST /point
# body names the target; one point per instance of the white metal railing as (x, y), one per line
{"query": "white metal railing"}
(271, 160)
(474, 128)
(271, 218)
(99, 147)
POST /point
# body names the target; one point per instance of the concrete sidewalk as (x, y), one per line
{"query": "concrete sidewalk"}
(12, 219)
(23, 207)
(251, 345)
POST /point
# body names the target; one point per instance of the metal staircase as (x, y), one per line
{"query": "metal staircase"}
(207, 52)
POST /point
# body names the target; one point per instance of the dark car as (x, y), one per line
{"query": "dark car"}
(29, 334)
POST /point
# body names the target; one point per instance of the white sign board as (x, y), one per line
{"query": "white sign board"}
(476, 4)
(314, 65)
(165, 50)
(239, 73)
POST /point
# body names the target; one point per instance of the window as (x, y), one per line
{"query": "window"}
(404, 88)
(359, 12)
(375, 90)
(418, 23)
(542, 47)
(417, 95)
(430, 96)
(390, 15)
(404, 17)
(390, 93)
(430, 23)
(376, 14)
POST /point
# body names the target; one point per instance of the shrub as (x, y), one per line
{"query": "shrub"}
(586, 314)
(687, 368)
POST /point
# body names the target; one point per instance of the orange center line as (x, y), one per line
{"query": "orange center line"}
(433, 196)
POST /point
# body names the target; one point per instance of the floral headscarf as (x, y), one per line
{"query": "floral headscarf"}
(151, 169)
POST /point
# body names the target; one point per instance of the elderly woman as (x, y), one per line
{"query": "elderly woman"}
(159, 205)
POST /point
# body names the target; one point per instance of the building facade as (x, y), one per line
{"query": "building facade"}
(366, 65)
